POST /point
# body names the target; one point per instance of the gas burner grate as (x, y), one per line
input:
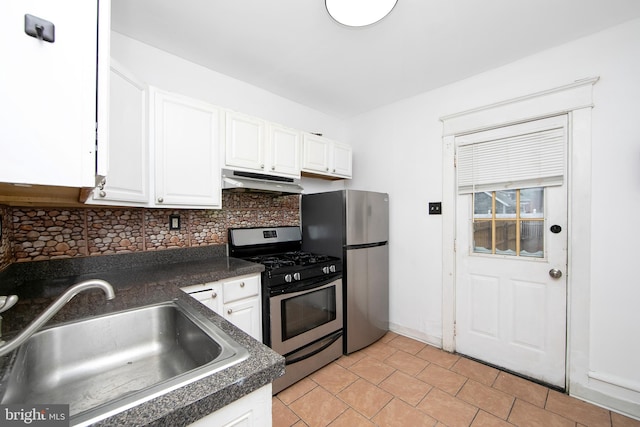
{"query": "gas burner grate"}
(305, 258)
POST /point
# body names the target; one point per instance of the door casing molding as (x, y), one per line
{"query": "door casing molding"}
(575, 100)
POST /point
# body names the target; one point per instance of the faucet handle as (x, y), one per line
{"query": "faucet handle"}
(6, 302)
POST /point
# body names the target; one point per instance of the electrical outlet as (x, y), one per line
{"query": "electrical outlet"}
(174, 222)
(435, 208)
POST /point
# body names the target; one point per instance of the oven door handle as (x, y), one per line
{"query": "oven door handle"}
(304, 286)
(335, 338)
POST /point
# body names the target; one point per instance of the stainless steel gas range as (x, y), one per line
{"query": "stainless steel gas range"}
(301, 298)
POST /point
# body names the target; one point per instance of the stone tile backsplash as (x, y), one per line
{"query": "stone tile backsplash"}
(33, 234)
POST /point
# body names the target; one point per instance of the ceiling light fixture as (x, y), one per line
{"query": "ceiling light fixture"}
(359, 13)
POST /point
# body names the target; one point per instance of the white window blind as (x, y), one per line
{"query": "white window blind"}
(520, 156)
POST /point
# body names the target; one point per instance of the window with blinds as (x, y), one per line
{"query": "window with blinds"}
(526, 155)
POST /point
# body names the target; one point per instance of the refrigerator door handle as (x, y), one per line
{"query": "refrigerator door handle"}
(365, 245)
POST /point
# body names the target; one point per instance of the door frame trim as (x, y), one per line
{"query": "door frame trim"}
(575, 100)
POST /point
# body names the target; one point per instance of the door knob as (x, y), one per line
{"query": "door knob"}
(555, 273)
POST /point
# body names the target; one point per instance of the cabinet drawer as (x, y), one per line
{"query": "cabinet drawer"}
(243, 287)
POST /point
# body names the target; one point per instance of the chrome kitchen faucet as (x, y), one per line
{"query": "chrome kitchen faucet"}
(6, 302)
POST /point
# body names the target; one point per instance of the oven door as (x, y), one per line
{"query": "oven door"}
(300, 317)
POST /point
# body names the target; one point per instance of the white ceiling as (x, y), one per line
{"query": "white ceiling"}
(294, 49)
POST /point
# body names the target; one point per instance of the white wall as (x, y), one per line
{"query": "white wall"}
(172, 73)
(398, 149)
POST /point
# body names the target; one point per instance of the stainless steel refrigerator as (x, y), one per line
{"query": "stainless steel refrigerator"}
(354, 226)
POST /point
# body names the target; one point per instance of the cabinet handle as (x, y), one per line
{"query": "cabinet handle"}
(242, 284)
(229, 311)
(261, 166)
(334, 171)
(327, 169)
(103, 194)
(160, 200)
(273, 168)
(214, 295)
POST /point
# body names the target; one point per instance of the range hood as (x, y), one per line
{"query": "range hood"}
(250, 181)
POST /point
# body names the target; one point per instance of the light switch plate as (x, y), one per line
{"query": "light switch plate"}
(435, 208)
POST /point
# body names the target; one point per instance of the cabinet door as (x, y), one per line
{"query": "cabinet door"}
(244, 142)
(127, 179)
(48, 94)
(245, 314)
(284, 151)
(186, 143)
(341, 160)
(209, 294)
(315, 154)
(253, 410)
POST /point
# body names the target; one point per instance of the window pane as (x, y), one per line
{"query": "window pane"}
(532, 203)
(482, 205)
(532, 239)
(506, 204)
(482, 237)
(506, 237)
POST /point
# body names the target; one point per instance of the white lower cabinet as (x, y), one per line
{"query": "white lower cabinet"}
(253, 410)
(236, 299)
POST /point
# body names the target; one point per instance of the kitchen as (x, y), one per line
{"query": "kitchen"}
(606, 304)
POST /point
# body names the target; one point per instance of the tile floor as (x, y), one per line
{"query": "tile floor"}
(402, 382)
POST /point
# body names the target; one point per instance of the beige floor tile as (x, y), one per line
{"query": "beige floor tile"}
(618, 420)
(521, 388)
(577, 410)
(351, 418)
(406, 362)
(399, 414)
(349, 360)
(438, 356)
(484, 419)
(442, 378)
(476, 371)
(408, 345)
(447, 409)
(406, 387)
(388, 336)
(296, 390)
(364, 397)
(379, 350)
(489, 399)
(372, 369)
(318, 408)
(282, 416)
(334, 378)
(525, 414)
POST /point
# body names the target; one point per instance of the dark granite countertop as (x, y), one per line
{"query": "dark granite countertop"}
(139, 280)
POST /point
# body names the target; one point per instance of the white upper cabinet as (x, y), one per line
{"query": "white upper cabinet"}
(283, 150)
(186, 144)
(325, 157)
(49, 96)
(258, 146)
(128, 158)
(245, 141)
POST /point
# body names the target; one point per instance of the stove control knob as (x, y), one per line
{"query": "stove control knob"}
(332, 268)
(296, 276)
(288, 278)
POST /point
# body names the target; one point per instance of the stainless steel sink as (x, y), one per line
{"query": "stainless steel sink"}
(104, 365)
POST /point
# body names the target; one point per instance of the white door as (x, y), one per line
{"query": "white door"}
(511, 261)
